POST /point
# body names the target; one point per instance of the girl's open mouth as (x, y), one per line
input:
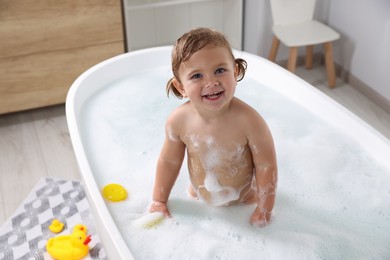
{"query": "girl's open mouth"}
(213, 95)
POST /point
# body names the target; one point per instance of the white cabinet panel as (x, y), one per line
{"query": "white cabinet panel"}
(207, 14)
(140, 25)
(233, 12)
(171, 23)
(161, 22)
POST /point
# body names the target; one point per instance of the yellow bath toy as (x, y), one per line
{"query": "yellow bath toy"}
(70, 247)
(56, 226)
(114, 192)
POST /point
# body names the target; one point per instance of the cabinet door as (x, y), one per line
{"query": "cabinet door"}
(161, 22)
(45, 45)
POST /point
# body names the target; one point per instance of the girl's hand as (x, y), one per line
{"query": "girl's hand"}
(260, 218)
(157, 206)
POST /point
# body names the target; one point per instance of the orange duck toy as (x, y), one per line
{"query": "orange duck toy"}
(70, 247)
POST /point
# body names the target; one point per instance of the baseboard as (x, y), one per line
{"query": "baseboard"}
(348, 77)
(367, 91)
(318, 59)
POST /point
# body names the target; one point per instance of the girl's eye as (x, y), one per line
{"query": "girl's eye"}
(220, 70)
(196, 76)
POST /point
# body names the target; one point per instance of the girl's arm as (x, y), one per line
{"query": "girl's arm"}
(266, 171)
(168, 168)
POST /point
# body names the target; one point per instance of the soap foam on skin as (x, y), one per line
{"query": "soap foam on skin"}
(171, 136)
(210, 159)
(224, 196)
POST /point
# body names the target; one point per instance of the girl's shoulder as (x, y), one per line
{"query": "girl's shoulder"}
(244, 109)
(179, 114)
(247, 116)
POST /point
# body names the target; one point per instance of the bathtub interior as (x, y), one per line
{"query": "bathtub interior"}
(334, 176)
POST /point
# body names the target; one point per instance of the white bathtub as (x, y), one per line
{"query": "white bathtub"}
(261, 71)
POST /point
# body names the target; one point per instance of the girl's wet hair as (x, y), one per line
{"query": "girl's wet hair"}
(193, 41)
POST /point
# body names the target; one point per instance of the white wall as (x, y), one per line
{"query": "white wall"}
(364, 47)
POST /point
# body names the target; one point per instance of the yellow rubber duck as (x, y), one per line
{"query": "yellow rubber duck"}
(56, 226)
(70, 247)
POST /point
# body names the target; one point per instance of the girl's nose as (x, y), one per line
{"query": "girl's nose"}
(212, 82)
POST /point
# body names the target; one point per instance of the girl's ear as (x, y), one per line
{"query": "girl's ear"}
(236, 70)
(179, 87)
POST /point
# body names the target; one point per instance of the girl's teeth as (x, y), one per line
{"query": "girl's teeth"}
(213, 94)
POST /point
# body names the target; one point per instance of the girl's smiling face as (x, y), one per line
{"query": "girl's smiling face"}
(208, 79)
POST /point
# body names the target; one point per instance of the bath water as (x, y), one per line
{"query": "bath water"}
(332, 201)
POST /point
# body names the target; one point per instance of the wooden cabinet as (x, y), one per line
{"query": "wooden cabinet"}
(46, 44)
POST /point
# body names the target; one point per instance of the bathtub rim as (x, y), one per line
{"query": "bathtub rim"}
(106, 226)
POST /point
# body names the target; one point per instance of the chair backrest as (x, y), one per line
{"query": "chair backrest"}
(292, 11)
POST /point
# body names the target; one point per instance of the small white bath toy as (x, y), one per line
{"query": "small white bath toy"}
(149, 220)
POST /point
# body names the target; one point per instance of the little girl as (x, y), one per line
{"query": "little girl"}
(230, 150)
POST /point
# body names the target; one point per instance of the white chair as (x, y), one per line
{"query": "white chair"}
(293, 25)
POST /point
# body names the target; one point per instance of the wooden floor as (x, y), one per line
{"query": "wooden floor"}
(33, 144)
(36, 143)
